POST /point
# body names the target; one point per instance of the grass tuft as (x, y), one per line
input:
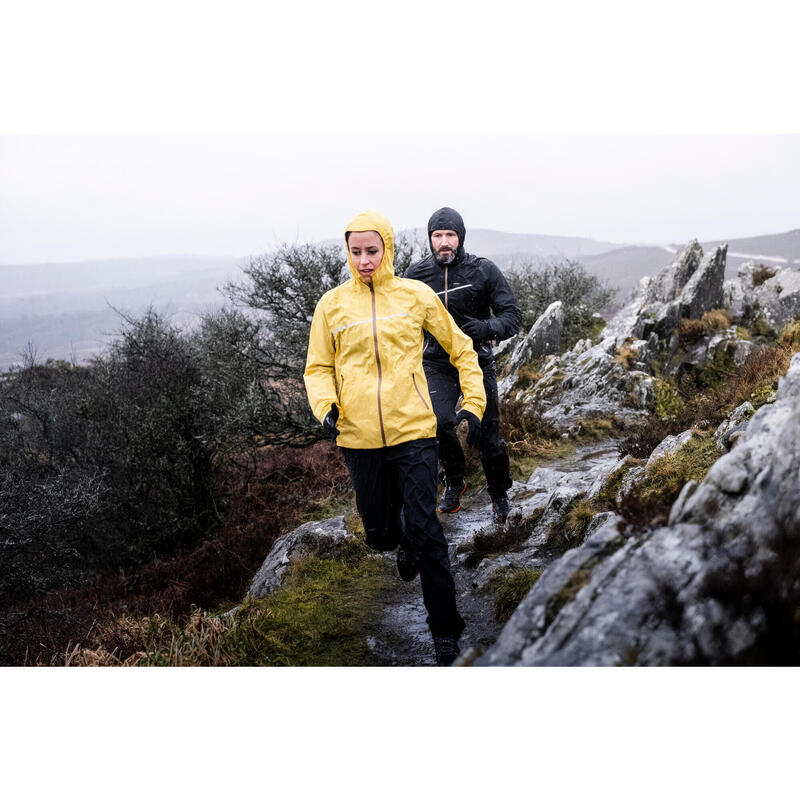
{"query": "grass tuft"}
(500, 538)
(509, 587)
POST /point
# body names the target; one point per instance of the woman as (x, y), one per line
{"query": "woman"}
(365, 383)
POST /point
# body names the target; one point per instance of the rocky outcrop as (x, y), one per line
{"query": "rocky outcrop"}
(717, 585)
(544, 338)
(613, 377)
(731, 429)
(774, 297)
(703, 290)
(312, 539)
(778, 298)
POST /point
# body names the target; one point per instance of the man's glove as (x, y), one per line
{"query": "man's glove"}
(329, 428)
(474, 433)
(478, 329)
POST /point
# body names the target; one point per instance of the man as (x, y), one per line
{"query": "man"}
(470, 288)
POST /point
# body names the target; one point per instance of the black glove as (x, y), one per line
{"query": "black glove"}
(478, 329)
(329, 428)
(474, 433)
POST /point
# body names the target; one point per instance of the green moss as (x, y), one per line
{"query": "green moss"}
(325, 509)
(668, 474)
(320, 616)
(743, 333)
(509, 587)
(760, 326)
(666, 403)
(762, 395)
(570, 529)
(713, 372)
(607, 497)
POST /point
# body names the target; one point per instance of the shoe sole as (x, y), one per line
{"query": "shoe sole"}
(453, 510)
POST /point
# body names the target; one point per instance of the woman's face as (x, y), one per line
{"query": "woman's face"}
(366, 252)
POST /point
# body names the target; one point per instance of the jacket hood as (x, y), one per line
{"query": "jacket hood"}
(448, 219)
(373, 221)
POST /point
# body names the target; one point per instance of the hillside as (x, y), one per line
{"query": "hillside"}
(65, 310)
(654, 523)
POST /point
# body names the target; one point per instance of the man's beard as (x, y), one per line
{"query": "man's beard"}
(445, 258)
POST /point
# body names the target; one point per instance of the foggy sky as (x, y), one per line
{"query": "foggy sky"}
(69, 198)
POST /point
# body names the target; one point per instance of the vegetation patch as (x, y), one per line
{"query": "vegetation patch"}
(626, 355)
(762, 274)
(718, 319)
(500, 538)
(649, 504)
(318, 617)
(667, 402)
(760, 326)
(689, 332)
(528, 374)
(606, 499)
(529, 438)
(790, 335)
(600, 427)
(570, 529)
(508, 588)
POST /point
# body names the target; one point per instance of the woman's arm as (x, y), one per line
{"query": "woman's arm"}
(320, 373)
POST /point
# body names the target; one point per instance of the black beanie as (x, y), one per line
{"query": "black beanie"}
(448, 219)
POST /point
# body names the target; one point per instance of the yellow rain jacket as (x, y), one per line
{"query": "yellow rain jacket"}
(365, 353)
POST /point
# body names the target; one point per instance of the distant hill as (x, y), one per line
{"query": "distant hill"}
(65, 310)
(482, 242)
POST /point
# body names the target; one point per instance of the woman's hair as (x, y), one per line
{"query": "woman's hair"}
(347, 235)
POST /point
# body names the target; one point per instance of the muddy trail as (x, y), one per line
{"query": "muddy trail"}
(402, 637)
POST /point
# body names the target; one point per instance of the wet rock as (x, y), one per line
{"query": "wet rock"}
(313, 538)
(544, 338)
(778, 298)
(703, 290)
(731, 428)
(711, 587)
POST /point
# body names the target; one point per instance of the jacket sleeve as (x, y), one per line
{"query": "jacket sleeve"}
(320, 373)
(459, 346)
(507, 317)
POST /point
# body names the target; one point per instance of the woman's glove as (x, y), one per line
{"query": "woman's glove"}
(478, 329)
(329, 428)
(474, 433)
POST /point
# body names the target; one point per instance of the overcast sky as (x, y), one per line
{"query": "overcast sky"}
(68, 198)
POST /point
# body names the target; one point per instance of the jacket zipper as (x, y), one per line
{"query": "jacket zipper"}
(378, 360)
(445, 288)
(414, 379)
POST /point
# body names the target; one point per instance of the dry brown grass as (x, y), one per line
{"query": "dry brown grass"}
(718, 319)
(689, 331)
(626, 355)
(762, 274)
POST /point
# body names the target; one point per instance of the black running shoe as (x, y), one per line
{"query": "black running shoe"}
(451, 497)
(447, 650)
(407, 563)
(501, 508)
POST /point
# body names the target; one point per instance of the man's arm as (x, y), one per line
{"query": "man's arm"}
(507, 316)
(459, 346)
